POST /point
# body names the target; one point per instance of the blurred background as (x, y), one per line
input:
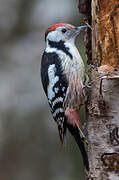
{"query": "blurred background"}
(29, 144)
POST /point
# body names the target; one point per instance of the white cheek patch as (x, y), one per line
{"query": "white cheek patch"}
(52, 81)
(55, 36)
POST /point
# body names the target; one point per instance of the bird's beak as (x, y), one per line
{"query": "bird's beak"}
(79, 28)
(76, 30)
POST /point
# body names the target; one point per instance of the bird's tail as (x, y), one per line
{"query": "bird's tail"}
(81, 141)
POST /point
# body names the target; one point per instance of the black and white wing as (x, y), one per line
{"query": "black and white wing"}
(55, 86)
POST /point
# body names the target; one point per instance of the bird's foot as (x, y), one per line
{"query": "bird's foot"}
(91, 66)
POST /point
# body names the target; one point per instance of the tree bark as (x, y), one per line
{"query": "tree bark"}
(103, 102)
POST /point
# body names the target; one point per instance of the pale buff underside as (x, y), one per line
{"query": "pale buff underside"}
(75, 72)
(75, 93)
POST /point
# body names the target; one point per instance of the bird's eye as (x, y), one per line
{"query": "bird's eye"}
(63, 30)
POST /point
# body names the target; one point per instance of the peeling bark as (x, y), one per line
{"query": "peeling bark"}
(105, 33)
(103, 102)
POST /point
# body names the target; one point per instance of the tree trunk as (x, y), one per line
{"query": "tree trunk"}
(103, 102)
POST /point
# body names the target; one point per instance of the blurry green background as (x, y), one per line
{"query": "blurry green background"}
(29, 144)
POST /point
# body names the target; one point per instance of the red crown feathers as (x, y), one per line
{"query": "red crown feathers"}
(52, 28)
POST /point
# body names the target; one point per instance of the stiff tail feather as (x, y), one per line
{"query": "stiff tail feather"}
(80, 139)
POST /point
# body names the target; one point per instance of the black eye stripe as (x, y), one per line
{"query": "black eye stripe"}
(63, 30)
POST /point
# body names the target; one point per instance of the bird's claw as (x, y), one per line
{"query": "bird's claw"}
(91, 66)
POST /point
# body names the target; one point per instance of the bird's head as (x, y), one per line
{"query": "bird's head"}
(62, 32)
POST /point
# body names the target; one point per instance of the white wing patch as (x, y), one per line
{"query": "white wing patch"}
(52, 81)
(63, 89)
(56, 90)
(59, 99)
(57, 111)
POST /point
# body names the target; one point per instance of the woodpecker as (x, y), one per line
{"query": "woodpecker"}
(63, 78)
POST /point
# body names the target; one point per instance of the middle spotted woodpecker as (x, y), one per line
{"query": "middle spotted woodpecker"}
(63, 77)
